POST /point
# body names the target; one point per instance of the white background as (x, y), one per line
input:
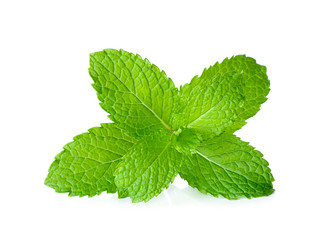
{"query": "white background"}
(46, 99)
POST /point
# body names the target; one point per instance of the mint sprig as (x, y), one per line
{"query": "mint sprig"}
(159, 132)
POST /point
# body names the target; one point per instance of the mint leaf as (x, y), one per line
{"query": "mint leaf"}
(212, 99)
(158, 132)
(213, 105)
(227, 166)
(148, 167)
(86, 165)
(135, 92)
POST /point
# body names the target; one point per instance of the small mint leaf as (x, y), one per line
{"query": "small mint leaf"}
(186, 140)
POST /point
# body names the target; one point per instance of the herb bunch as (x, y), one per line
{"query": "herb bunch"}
(158, 132)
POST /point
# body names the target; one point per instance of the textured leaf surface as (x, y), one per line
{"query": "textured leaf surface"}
(86, 165)
(136, 93)
(199, 93)
(210, 108)
(149, 167)
(229, 167)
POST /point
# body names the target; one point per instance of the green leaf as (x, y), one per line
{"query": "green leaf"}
(136, 93)
(229, 167)
(210, 89)
(86, 165)
(210, 108)
(149, 167)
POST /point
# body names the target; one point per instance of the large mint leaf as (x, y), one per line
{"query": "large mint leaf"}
(229, 167)
(149, 167)
(197, 95)
(135, 92)
(86, 165)
(210, 108)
